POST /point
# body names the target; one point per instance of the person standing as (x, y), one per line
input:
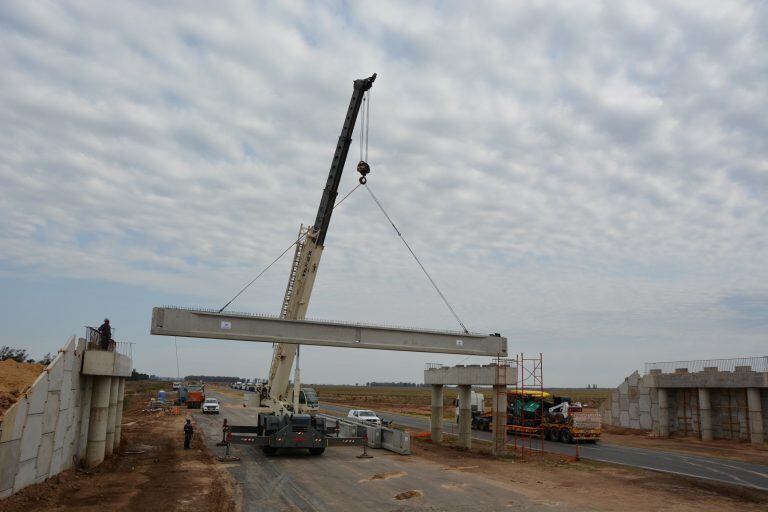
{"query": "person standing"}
(188, 431)
(105, 335)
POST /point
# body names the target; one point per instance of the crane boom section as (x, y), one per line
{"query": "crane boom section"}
(306, 261)
(339, 159)
(310, 248)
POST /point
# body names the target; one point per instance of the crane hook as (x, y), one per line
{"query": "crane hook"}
(363, 168)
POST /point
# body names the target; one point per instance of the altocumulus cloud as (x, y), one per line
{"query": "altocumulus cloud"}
(589, 179)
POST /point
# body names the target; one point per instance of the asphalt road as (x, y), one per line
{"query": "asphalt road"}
(338, 480)
(710, 468)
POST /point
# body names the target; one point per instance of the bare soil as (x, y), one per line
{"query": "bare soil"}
(557, 480)
(152, 472)
(15, 378)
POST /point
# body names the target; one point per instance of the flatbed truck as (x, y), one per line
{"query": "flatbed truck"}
(561, 420)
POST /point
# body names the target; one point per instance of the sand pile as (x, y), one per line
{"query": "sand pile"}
(14, 379)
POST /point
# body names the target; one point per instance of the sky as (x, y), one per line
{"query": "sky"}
(589, 179)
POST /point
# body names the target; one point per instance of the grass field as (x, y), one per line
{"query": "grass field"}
(416, 400)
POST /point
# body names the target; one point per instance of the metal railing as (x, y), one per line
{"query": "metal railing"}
(93, 342)
(757, 364)
(434, 366)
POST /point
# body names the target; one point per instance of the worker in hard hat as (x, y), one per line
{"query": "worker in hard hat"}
(188, 431)
(105, 335)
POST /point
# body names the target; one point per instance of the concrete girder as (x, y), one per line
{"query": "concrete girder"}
(228, 326)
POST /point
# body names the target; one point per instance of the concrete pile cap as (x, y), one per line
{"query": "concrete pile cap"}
(471, 375)
(740, 377)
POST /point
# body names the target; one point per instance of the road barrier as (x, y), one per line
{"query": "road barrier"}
(391, 439)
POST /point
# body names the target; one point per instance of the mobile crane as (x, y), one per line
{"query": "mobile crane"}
(283, 420)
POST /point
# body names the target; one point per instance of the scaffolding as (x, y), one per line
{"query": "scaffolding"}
(528, 436)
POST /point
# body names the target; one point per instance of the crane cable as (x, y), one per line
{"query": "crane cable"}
(365, 126)
(437, 289)
(365, 130)
(298, 240)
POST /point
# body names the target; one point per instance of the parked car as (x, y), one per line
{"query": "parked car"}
(211, 405)
(364, 415)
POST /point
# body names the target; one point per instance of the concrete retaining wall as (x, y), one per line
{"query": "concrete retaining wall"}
(634, 403)
(41, 434)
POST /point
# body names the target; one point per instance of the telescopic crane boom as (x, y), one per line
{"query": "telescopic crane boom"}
(275, 394)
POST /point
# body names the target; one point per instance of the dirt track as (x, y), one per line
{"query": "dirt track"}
(163, 477)
(445, 478)
(585, 485)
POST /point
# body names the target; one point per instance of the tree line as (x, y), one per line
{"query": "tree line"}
(20, 355)
(394, 384)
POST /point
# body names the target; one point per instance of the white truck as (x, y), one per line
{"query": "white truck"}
(477, 401)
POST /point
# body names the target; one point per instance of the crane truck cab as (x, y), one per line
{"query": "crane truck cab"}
(308, 402)
(477, 401)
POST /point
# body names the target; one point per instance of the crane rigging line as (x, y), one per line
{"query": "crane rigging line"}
(437, 289)
(365, 126)
(298, 240)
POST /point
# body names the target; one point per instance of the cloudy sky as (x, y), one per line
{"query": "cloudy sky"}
(589, 179)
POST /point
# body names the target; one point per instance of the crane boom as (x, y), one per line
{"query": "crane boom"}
(339, 158)
(306, 259)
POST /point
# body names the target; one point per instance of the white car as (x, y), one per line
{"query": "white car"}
(365, 415)
(211, 405)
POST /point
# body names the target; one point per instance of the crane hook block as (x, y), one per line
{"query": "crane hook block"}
(363, 168)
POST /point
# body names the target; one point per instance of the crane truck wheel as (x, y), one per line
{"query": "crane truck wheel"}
(269, 450)
(317, 451)
(554, 434)
(566, 436)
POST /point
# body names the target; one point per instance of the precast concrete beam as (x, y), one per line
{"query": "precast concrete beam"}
(119, 413)
(465, 416)
(97, 425)
(210, 324)
(436, 420)
(705, 414)
(756, 427)
(471, 375)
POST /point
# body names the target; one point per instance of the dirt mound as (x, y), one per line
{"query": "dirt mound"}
(153, 472)
(15, 378)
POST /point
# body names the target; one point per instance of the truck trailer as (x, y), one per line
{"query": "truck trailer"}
(540, 414)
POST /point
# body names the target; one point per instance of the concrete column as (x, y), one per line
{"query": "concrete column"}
(97, 425)
(85, 415)
(114, 384)
(465, 417)
(119, 412)
(756, 432)
(499, 419)
(663, 413)
(437, 414)
(705, 414)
